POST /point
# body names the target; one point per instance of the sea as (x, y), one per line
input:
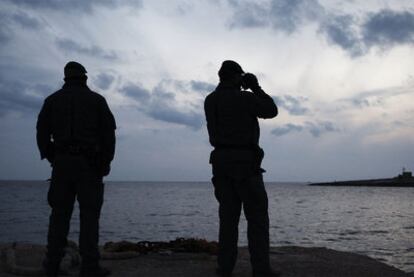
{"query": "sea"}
(374, 221)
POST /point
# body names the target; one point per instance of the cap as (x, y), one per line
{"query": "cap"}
(74, 69)
(229, 67)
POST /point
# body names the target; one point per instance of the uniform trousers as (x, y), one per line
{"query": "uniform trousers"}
(237, 186)
(74, 177)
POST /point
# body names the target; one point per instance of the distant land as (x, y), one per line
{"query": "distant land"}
(405, 179)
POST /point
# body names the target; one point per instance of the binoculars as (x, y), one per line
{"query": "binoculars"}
(249, 81)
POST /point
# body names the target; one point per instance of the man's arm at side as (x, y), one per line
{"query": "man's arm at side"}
(108, 136)
(210, 112)
(43, 132)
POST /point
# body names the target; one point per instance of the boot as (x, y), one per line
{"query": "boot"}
(51, 268)
(94, 272)
(267, 273)
(222, 273)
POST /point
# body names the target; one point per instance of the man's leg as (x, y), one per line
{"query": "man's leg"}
(229, 214)
(255, 204)
(90, 197)
(61, 198)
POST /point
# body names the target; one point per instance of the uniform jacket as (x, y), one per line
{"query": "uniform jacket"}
(232, 119)
(76, 115)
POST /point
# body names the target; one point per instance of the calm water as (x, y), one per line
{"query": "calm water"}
(378, 222)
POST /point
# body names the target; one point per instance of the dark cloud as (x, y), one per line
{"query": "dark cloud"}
(375, 98)
(161, 104)
(19, 97)
(316, 129)
(282, 15)
(287, 128)
(72, 46)
(388, 27)
(172, 115)
(192, 86)
(294, 105)
(383, 30)
(26, 21)
(4, 36)
(184, 8)
(161, 92)
(165, 107)
(202, 87)
(104, 80)
(340, 31)
(5, 31)
(137, 92)
(362, 102)
(9, 22)
(288, 15)
(249, 14)
(74, 5)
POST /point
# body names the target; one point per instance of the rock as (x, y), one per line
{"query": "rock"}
(166, 252)
(291, 261)
(122, 246)
(26, 259)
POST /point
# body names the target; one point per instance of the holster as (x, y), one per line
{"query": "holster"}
(259, 158)
(50, 152)
(238, 155)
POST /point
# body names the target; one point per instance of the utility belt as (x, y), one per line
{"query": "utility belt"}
(77, 149)
(237, 154)
(235, 147)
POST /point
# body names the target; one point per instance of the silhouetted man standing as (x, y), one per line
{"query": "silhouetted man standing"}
(76, 134)
(233, 129)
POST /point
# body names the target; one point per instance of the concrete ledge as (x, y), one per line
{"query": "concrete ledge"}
(291, 261)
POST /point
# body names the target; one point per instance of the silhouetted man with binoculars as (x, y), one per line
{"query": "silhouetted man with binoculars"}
(232, 122)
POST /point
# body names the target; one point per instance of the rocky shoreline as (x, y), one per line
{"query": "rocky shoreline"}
(126, 259)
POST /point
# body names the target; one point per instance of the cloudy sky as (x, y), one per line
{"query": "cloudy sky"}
(341, 72)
